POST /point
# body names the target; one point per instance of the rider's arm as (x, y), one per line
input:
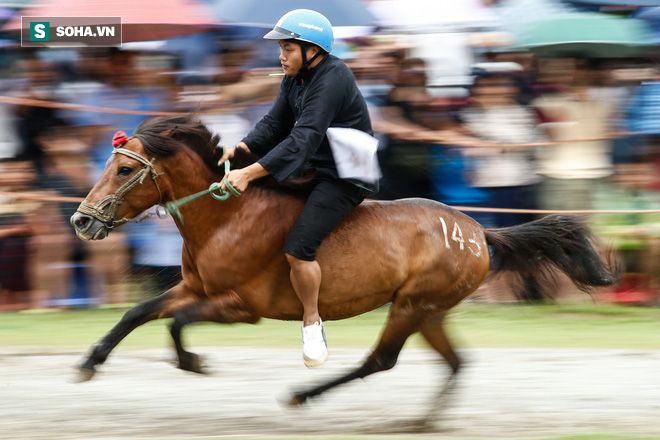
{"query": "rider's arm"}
(255, 171)
(319, 108)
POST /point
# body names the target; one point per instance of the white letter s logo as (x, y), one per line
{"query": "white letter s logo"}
(39, 31)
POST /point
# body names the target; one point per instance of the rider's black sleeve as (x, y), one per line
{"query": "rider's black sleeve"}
(305, 138)
(273, 128)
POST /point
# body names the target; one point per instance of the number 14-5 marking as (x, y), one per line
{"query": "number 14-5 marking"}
(457, 236)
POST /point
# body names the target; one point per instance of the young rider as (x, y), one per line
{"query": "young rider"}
(318, 92)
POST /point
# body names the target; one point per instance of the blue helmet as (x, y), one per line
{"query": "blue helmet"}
(304, 25)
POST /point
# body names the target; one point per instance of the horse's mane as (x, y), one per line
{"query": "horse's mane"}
(163, 136)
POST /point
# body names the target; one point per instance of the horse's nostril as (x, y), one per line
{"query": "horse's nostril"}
(81, 222)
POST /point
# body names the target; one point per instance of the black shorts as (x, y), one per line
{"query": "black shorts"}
(329, 202)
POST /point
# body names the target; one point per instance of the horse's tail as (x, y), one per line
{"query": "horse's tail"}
(533, 249)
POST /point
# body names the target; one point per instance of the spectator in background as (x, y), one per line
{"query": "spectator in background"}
(93, 272)
(425, 145)
(40, 83)
(115, 80)
(54, 246)
(506, 173)
(623, 81)
(375, 65)
(577, 170)
(404, 159)
(10, 144)
(155, 255)
(452, 165)
(642, 116)
(16, 175)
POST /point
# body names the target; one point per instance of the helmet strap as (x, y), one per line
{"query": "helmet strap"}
(304, 70)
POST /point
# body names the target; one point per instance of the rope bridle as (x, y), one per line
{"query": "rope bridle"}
(105, 209)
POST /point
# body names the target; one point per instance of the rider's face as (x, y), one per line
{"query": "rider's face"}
(291, 56)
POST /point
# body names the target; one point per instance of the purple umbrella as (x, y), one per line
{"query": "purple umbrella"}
(6, 13)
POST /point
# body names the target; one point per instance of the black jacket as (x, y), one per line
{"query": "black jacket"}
(292, 136)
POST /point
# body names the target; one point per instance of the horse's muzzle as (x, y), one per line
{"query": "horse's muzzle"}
(88, 228)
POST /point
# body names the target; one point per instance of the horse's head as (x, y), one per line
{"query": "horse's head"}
(128, 186)
(130, 183)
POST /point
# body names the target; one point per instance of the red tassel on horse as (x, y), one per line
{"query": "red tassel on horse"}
(119, 139)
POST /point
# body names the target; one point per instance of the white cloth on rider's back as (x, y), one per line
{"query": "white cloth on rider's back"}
(354, 152)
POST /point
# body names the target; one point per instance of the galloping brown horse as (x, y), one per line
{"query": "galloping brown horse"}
(422, 256)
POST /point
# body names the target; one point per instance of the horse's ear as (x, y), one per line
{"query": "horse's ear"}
(217, 154)
(169, 133)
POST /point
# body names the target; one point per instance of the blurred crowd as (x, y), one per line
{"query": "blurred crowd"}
(522, 132)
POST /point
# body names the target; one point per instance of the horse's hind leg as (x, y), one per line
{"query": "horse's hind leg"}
(142, 313)
(402, 322)
(433, 331)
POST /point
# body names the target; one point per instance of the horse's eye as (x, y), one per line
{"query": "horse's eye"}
(124, 171)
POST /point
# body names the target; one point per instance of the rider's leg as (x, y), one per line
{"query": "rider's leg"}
(328, 203)
(306, 280)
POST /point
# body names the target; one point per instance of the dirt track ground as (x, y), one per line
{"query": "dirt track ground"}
(502, 393)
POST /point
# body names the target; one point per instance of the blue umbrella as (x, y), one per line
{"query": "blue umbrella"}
(652, 15)
(266, 13)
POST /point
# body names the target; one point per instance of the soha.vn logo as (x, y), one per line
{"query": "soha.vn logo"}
(40, 31)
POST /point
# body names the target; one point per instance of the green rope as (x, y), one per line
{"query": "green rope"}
(172, 208)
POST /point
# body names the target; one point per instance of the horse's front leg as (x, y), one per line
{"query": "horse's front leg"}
(225, 309)
(159, 307)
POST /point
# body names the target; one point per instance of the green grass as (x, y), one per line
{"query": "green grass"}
(563, 325)
(469, 325)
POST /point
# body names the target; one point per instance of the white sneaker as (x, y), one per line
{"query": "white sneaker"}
(315, 349)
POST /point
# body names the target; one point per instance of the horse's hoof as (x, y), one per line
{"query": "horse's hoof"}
(297, 400)
(193, 363)
(422, 425)
(85, 374)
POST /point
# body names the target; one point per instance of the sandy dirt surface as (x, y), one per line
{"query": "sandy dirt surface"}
(502, 393)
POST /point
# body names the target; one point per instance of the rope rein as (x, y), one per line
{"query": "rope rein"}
(172, 207)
